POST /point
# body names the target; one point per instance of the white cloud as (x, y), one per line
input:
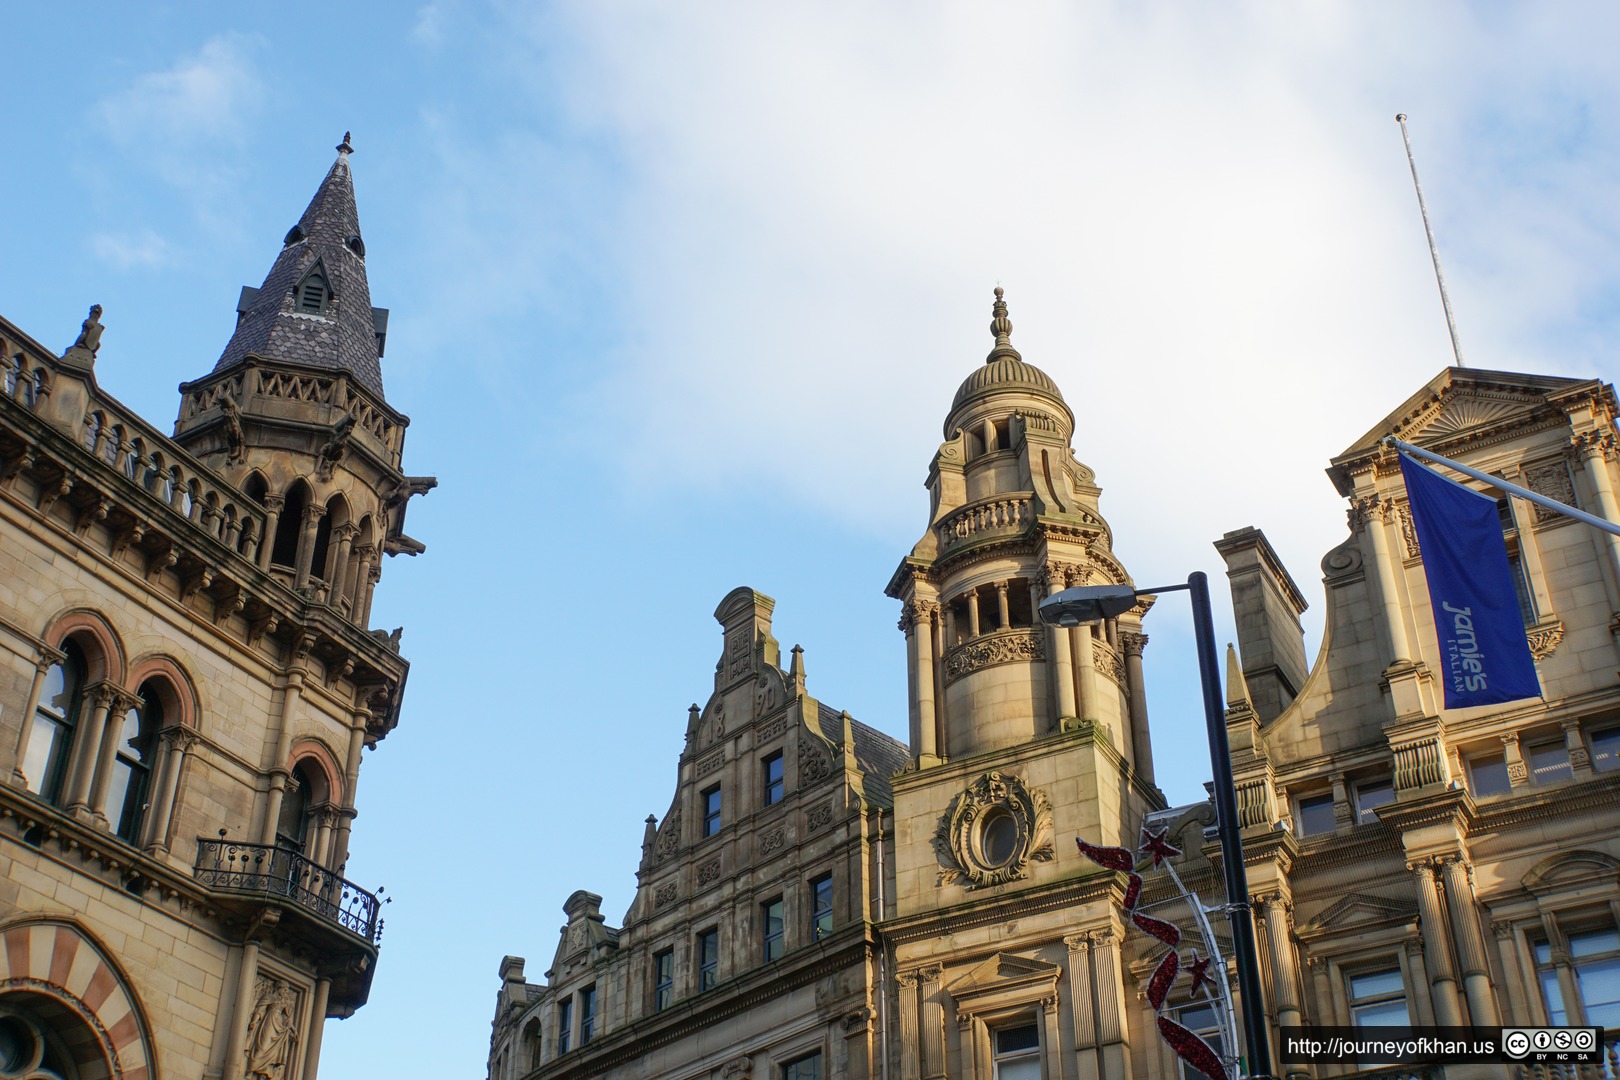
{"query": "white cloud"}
(128, 250)
(174, 122)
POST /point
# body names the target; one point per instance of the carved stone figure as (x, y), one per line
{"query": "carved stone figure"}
(334, 448)
(273, 1031)
(234, 435)
(85, 346)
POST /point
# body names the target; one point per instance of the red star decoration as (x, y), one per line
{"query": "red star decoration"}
(1198, 969)
(1156, 845)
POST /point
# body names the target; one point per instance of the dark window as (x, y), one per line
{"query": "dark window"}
(1018, 1053)
(1378, 999)
(132, 767)
(711, 811)
(587, 1014)
(772, 769)
(770, 913)
(663, 979)
(54, 722)
(821, 907)
(805, 1068)
(1315, 814)
(1488, 775)
(1371, 794)
(1202, 1020)
(1549, 761)
(708, 950)
(313, 293)
(1594, 963)
(284, 552)
(565, 1023)
(292, 825)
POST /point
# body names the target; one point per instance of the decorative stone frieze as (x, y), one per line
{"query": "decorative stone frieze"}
(992, 832)
(999, 647)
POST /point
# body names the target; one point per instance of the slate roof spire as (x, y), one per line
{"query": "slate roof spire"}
(314, 308)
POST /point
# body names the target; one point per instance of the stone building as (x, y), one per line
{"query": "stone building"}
(1407, 863)
(187, 680)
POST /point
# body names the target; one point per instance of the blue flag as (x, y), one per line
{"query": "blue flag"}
(1484, 655)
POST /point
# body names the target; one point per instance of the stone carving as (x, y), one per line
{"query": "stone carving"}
(818, 817)
(857, 1020)
(1107, 661)
(669, 837)
(992, 800)
(770, 729)
(272, 1037)
(1133, 642)
(1000, 647)
(88, 343)
(737, 1067)
(1552, 480)
(665, 895)
(234, 434)
(737, 654)
(1344, 560)
(1544, 638)
(772, 842)
(709, 764)
(1418, 764)
(814, 766)
(765, 696)
(709, 871)
(1409, 532)
(335, 447)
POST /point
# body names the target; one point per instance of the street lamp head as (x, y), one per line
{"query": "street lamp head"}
(1087, 604)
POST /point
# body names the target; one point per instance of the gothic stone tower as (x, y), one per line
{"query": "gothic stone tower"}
(1022, 736)
(187, 681)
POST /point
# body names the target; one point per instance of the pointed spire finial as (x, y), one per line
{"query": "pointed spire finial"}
(1001, 326)
(1237, 687)
(345, 147)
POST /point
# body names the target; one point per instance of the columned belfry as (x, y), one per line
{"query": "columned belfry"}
(1013, 518)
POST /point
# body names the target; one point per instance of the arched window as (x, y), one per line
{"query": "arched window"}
(132, 767)
(31, 1046)
(285, 552)
(292, 827)
(256, 488)
(54, 722)
(313, 292)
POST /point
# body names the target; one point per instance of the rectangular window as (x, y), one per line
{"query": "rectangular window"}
(805, 1068)
(1594, 959)
(821, 907)
(663, 979)
(1370, 795)
(1018, 1053)
(1378, 999)
(1521, 582)
(1315, 814)
(1605, 749)
(1549, 762)
(711, 811)
(770, 913)
(772, 769)
(587, 1014)
(1202, 1020)
(1488, 775)
(565, 1023)
(708, 950)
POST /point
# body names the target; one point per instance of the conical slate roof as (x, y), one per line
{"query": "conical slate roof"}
(343, 335)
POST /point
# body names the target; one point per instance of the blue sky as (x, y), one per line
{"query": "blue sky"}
(680, 297)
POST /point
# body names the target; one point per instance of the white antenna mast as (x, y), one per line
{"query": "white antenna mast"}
(1434, 252)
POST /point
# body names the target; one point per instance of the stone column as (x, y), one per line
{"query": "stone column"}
(317, 1026)
(251, 541)
(1436, 954)
(1508, 954)
(107, 756)
(1476, 972)
(918, 625)
(1284, 973)
(1085, 668)
(362, 579)
(1058, 650)
(351, 778)
(87, 748)
(321, 846)
(236, 1044)
(1518, 772)
(373, 576)
(936, 626)
(278, 767)
(1422, 1004)
(176, 742)
(306, 543)
(933, 1024)
(1141, 738)
(1594, 449)
(1085, 1021)
(1114, 1056)
(973, 613)
(910, 1045)
(1524, 519)
(345, 535)
(35, 690)
(1373, 512)
(1580, 759)
(1003, 618)
(273, 505)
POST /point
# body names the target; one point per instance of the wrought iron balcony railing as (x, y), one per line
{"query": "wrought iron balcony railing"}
(273, 871)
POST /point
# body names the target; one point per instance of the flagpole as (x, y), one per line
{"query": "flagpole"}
(1512, 489)
(1434, 251)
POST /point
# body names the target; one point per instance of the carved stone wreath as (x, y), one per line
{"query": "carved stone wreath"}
(992, 832)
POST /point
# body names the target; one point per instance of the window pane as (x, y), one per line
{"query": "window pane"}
(821, 911)
(1315, 815)
(1553, 995)
(1488, 775)
(57, 693)
(47, 749)
(806, 1068)
(1599, 984)
(772, 921)
(1371, 795)
(1018, 1038)
(1376, 984)
(1606, 749)
(1593, 942)
(1549, 762)
(711, 811)
(1543, 952)
(1382, 1014)
(773, 778)
(1025, 1069)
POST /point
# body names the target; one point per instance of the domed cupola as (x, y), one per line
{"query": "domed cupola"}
(1004, 370)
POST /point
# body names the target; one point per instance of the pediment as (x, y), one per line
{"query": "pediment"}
(1572, 869)
(1003, 971)
(1363, 910)
(1460, 400)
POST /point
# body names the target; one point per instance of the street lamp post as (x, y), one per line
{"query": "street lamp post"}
(1094, 603)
